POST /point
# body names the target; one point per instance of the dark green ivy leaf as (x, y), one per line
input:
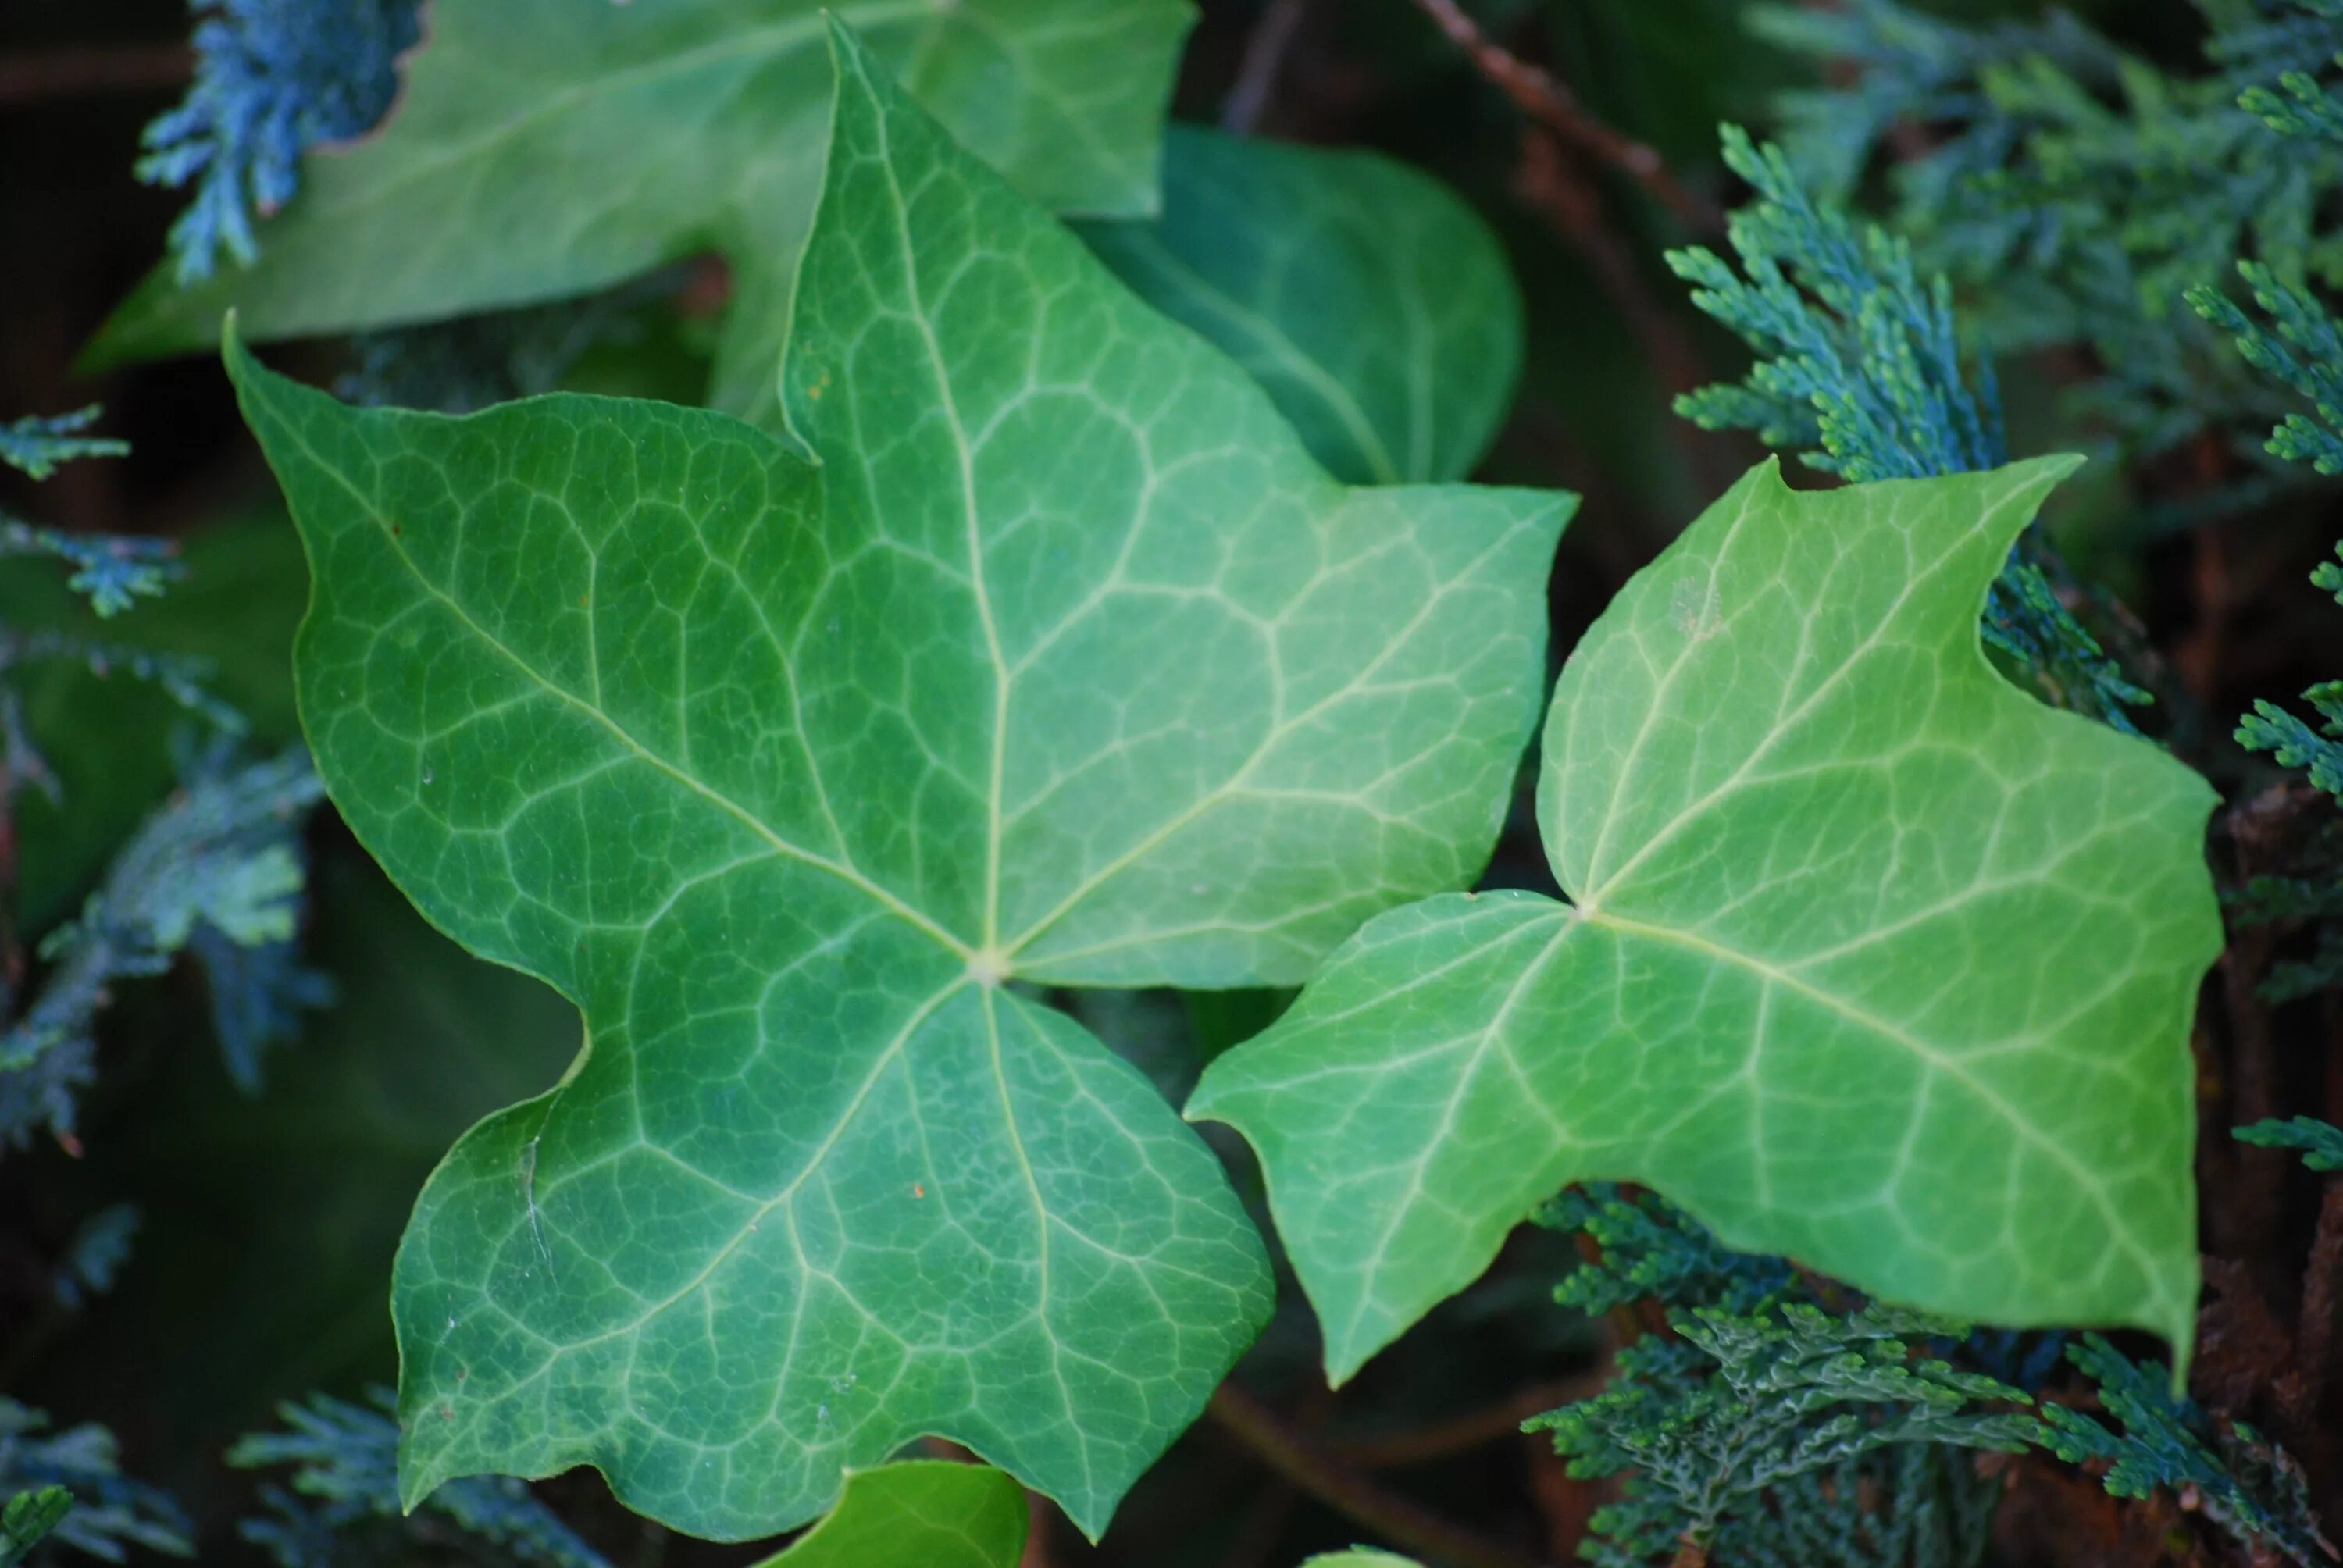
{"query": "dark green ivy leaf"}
(1377, 307)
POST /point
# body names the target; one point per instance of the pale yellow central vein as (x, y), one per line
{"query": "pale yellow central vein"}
(971, 523)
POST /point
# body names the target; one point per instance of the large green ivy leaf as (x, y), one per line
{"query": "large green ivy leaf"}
(1872, 961)
(543, 148)
(1376, 307)
(1064, 663)
(918, 1514)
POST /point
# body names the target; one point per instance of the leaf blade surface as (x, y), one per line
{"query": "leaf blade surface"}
(1873, 960)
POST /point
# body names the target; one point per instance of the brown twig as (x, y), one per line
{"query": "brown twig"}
(1357, 1498)
(2243, 1345)
(2314, 1336)
(2202, 657)
(1265, 58)
(1260, 1531)
(1573, 207)
(2322, 1279)
(1464, 1432)
(1566, 1503)
(1541, 95)
(1558, 191)
(79, 73)
(2258, 1175)
(1041, 1517)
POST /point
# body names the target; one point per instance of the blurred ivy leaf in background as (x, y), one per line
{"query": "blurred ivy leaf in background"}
(1376, 307)
(544, 148)
(918, 1513)
(1873, 960)
(109, 738)
(1065, 664)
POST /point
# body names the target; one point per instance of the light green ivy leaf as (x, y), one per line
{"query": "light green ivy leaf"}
(547, 149)
(1048, 655)
(1377, 307)
(1873, 960)
(918, 1513)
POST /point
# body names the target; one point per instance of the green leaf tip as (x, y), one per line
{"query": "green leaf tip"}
(246, 373)
(1064, 663)
(1875, 960)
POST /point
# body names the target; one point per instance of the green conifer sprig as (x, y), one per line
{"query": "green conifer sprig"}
(344, 1506)
(1751, 1434)
(1859, 372)
(2241, 1480)
(2320, 1142)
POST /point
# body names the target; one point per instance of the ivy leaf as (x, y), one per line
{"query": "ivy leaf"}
(920, 1514)
(1063, 663)
(544, 148)
(1376, 307)
(1873, 960)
